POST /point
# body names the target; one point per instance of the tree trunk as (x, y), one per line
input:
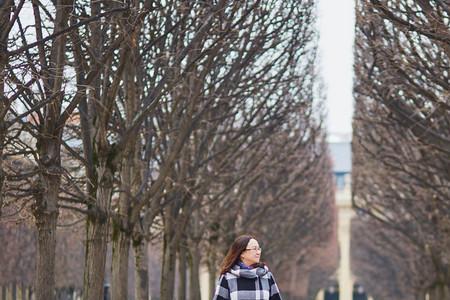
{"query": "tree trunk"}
(182, 273)
(129, 173)
(121, 250)
(94, 270)
(49, 150)
(45, 212)
(121, 238)
(168, 272)
(46, 215)
(194, 273)
(421, 295)
(169, 256)
(440, 291)
(23, 293)
(212, 270)
(97, 238)
(141, 263)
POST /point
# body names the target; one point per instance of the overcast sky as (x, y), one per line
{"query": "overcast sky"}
(336, 25)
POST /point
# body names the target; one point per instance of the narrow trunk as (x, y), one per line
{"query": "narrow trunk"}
(46, 215)
(169, 259)
(121, 249)
(14, 291)
(421, 295)
(212, 270)
(168, 273)
(194, 274)
(439, 292)
(49, 150)
(129, 176)
(95, 148)
(94, 269)
(121, 234)
(182, 273)
(97, 239)
(23, 289)
(45, 259)
(141, 263)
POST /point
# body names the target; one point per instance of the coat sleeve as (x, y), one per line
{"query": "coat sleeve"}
(222, 290)
(274, 291)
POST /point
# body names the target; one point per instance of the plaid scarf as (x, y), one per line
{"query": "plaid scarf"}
(247, 284)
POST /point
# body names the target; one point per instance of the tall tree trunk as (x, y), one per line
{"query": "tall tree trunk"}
(439, 291)
(97, 238)
(421, 295)
(212, 270)
(121, 236)
(46, 215)
(94, 269)
(99, 181)
(45, 258)
(120, 255)
(194, 252)
(169, 255)
(168, 271)
(141, 263)
(129, 173)
(49, 150)
(182, 273)
(194, 273)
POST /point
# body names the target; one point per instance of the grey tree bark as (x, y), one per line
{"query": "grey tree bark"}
(212, 273)
(141, 269)
(121, 247)
(104, 157)
(97, 236)
(194, 273)
(170, 245)
(46, 214)
(182, 268)
(439, 291)
(130, 169)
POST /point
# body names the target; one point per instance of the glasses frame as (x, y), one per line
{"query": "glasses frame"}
(254, 249)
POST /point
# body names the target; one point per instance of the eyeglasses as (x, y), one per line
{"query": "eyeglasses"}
(254, 248)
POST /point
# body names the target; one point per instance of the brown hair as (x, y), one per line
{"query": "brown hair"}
(239, 245)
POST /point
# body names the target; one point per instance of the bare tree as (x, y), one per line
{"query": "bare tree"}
(39, 75)
(140, 118)
(46, 86)
(402, 62)
(386, 263)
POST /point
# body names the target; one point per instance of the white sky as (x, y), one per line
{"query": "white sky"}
(336, 25)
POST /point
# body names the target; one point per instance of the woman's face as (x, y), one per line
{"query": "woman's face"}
(252, 253)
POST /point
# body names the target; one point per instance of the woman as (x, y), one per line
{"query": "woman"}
(243, 277)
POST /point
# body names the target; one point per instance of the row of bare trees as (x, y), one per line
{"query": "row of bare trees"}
(187, 122)
(401, 147)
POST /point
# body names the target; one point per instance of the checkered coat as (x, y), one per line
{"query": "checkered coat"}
(244, 284)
